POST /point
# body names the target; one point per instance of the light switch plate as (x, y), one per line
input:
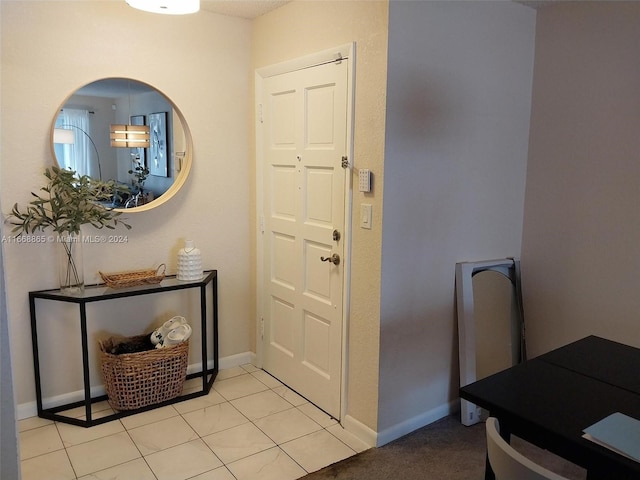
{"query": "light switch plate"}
(366, 216)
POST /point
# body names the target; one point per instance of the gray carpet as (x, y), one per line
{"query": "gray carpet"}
(444, 450)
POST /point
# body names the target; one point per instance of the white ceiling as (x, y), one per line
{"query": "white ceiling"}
(241, 8)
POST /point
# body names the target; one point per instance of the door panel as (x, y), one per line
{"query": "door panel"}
(318, 211)
(283, 179)
(320, 111)
(317, 339)
(304, 132)
(283, 272)
(282, 326)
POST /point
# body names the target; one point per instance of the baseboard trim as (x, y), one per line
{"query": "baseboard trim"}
(403, 428)
(378, 439)
(30, 409)
(360, 430)
(237, 360)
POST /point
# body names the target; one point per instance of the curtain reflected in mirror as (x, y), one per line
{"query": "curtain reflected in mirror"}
(74, 147)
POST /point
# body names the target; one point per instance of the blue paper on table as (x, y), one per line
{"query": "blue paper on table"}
(619, 433)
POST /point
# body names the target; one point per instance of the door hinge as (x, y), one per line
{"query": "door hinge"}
(261, 328)
(260, 113)
(345, 161)
(261, 223)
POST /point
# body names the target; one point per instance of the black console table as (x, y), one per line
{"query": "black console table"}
(101, 293)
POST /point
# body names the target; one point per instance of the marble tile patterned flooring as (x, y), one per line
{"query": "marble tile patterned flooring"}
(249, 427)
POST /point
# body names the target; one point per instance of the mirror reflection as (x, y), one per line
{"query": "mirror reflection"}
(124, 130)
(496, 323)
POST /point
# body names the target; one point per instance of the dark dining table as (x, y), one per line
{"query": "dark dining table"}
(549, 400)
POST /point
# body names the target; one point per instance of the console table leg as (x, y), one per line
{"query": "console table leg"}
(85, 362)
(203, 334)
(36, 355)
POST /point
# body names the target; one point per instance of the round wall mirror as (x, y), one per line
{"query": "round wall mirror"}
(124, 130)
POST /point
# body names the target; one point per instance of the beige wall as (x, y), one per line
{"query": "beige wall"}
(580, 252)
(199, 61)
(302, 28)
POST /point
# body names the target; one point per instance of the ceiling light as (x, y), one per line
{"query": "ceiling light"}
(171, 7)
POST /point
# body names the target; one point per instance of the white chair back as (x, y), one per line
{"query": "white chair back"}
(507, 463)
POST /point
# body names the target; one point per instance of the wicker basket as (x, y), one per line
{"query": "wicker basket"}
(134, 278)
(135, 380)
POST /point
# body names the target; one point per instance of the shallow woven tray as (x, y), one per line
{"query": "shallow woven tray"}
(133, 278)
(135, 380)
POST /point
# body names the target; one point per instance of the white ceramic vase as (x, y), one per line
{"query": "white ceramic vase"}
(189, 262)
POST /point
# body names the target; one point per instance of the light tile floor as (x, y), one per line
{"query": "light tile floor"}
(249, 427)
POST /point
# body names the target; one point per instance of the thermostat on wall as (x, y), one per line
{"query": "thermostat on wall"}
(364, 180)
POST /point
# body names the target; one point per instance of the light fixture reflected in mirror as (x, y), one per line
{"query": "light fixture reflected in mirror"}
(171, 7)
(64, 136)
(129, 136)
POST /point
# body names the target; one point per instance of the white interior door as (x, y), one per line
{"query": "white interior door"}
(304, 122)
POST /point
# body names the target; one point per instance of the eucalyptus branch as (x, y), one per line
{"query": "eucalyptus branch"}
(140, 172)
(66, 203)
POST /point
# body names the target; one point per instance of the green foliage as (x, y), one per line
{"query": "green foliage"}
(68, 202)
(140, 172)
